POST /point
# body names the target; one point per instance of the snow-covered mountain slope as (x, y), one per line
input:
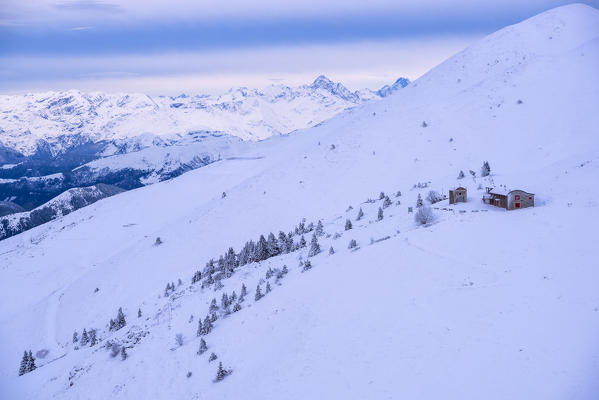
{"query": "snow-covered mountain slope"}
(61, 120)
(63, 204)
(483, 303)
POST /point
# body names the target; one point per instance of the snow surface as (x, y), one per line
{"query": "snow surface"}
(483, 303)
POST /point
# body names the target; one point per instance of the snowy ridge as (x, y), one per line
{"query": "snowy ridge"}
(484, 302)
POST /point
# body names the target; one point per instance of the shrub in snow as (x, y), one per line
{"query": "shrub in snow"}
(139, 313)
(424, 124)
(336, 236)
(189, 374)
(222, 373)
(115, 349)
(236, 307)
(123, 354)
(222, 196)
(179, 339)
(158, 241)
(348, 225)
(352, 244)
(485, 169)
(398, 194)
(434, 197)
(424, 215)
(360, 214)
(461, 174)
(472, 173)
(331, 251)
(381, 195)
(212, 357)
(307, 266)
(379, 216)
(75, 337)
(203, 347)
(268, 288)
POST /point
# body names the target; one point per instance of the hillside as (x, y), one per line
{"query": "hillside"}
(480, 303)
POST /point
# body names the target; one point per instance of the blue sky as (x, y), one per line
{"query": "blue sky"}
(175, 46)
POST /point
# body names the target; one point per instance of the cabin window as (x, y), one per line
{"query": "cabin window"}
(529, 197)
(517, 197)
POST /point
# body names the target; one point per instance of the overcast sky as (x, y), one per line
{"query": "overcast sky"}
(175, 46)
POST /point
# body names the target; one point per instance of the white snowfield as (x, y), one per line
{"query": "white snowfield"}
(481, 304)
(138, 120)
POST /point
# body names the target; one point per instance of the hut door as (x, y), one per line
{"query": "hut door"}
(517, 205)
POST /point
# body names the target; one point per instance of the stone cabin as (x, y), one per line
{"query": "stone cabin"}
(509, 199)
(458, 195)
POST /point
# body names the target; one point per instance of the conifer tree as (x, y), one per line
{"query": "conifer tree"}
(381, 195)
(307, 266)
(261, 252)
(398, 194)
(268, 288)
(31, 362)
(112, 325)
(379, 217)
(84, 338)
(258, 294)
(24, 364)
(486, 169)
(461, 175)
(302, 242)
(123, 353)
(200, 330)
(331, 251)
(92, 338)
(284, 271)
(386, 202)
(236, 307)
(224, 301)
(319, 228)
(120, 319)
(212, 357)
(213, 317)
(244, 292)
(419, 202)
(352, 244)
(360, 215)
(314, 246)
(221, 373)
(272, 246)
(207, 325)
(76, 336)
(203, 347)
(282, 242)
(139, 313)
(348, 225)
(213, 306)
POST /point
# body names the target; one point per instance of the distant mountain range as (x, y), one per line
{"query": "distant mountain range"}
(55, 141)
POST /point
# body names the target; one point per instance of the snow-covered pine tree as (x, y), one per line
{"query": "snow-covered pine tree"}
(331, 251)
(282, 242)
(112, 325)
(284, 271)
(200, 330)
(379, 216)
(244, 292)
(92, 338)
(419, 202)
(197, 276)
(212, 357)
(224, 301)
(221, 373)
(268, 288)
(319, 228)
(314, 246)
(272, 246)
(359, 216)
(398, 194)
(139, 313)
(472, 173)
(31, 362)
(381, 195)
(386, 202)
(120, 319)
(207, 325)
(307, 266)
(486, 169)
(24, 364)
(84, 338)
(76, 336)
(302, 242)
(461, 175)
(213, 306)
(261, 252)
(348, 225)
(352, 244)
(236, 307)
(123, 353)
(269, 273)
(233, 297)
(203, 347)
(213, 317)
(258, 294)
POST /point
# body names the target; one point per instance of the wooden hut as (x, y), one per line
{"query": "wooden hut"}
(458, 195)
